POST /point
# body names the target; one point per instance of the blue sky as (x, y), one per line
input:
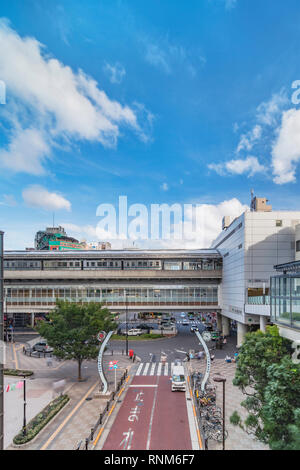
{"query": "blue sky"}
(165, 102)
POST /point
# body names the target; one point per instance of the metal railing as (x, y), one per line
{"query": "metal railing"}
(84, 444)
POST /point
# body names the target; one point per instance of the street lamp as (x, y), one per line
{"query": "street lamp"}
(220, 378)
(24, 407)
(126, 311)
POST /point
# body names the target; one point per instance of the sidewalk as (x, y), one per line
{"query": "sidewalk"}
(237, 438)
(74, 423)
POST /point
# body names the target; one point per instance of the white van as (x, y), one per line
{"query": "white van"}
(178, 378)
(134, 332)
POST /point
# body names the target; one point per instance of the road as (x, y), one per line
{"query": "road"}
(152, 417)
(174, 347)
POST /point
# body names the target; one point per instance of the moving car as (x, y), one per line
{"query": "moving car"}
(185, 323)
(178, 378)
(194, 328)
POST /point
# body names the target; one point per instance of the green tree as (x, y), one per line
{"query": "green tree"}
(258, 352)
(72, 330)
(280, 412)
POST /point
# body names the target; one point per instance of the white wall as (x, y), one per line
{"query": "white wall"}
(233, 282)
(263, 245)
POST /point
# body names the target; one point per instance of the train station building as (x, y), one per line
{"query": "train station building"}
(231, 278)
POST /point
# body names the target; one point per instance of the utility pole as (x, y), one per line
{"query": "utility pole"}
(24, 407)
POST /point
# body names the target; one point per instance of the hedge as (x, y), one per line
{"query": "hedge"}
(18, 372)
(136, 338)
(39, 421)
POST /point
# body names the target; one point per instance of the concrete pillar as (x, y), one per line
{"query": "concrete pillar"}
(225, 326)
(32, 320)
(262, 323)
(242, 329)
(219, 321)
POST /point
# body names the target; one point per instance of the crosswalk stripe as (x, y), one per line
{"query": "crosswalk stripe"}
(146, 368)
(139, 369)
(152, 368)
(159, 369)
(166, 368)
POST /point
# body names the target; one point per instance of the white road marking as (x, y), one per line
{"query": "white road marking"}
(151, 420)
(159, 368)
(152, 368)
(166, 368)
(139, 369)
(142, 385)
(146, 368)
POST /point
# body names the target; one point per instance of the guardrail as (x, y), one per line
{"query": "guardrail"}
(84, 444)
(31, 353)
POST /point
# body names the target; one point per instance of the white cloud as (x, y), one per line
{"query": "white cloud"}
(247, 140)
(249, 166)
(229, 4)
(269, 111)
(286, 148)
(115, 72)
(49, 99)
(164, 187)
(167, 56)
(37, 196)
(8, 200)
(157, 57)
(27, 150)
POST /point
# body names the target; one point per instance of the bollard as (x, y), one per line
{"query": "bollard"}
(100, 418)
(113, 396)
(107, 405)
(92, 434)
(86, 443)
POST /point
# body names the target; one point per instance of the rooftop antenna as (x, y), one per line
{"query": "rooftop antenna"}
(53, 219)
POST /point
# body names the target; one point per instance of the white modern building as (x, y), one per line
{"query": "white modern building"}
(250, 246)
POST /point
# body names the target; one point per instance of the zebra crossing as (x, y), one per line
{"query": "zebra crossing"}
(154, 368)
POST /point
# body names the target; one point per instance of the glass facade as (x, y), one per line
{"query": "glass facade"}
(285, 300)
(1, 339)
(46, 296)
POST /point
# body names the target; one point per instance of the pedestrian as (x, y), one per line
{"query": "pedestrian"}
(212, 357)
(224, 341)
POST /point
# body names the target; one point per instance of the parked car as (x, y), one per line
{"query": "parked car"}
(134, 332)
(43, 347)
(144, 326)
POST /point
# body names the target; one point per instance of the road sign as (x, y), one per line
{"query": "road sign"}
(101, 335)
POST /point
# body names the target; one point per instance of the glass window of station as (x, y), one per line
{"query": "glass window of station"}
(35, 296)
(285, 300)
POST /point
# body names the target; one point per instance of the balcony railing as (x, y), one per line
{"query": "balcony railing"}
(259, 300)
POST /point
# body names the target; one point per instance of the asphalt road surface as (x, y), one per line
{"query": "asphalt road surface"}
(151, 417)
(174, 348)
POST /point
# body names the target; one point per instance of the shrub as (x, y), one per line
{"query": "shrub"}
(40, 420)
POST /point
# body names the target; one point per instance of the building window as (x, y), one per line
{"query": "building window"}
(278, 223)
